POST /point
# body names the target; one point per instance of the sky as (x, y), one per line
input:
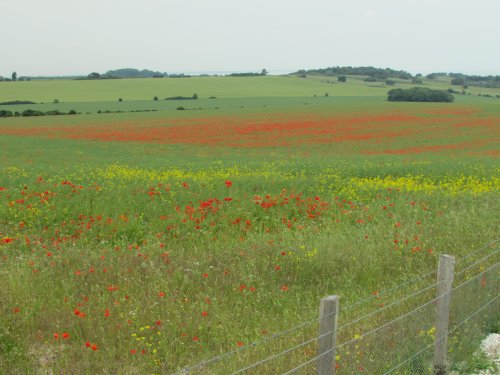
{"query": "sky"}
(76, 37)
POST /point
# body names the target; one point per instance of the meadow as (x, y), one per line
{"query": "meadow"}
(145, 242)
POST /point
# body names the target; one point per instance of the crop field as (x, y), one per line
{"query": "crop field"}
(148, 241)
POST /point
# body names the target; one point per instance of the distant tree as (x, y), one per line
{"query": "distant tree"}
(155, 98)
(263, 72)
(195, 96)
(419, 94)
(326, 94)
(56, 101)
(120, 99)
(94, 75)
(1, 78)
(342, 78)
(390, 82)
(458, 81)
(417, 81)
(14, 76)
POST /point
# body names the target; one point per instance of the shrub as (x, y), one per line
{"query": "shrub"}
(417, 81)
(72, 112)
(195, 96)
(370, 79)
(181, 108)
(17, 102)
(342, 79)
(390, 82)
(179, 98)
(458, 81)
(155, 98)
(120, 99)
(4, 113)
(32, 112)
(419, 94)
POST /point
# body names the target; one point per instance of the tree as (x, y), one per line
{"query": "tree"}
(14, 76)
(94, 75)
(155, 98)
(419, 94)
(342, 78)
(264, 72)
(459, 81)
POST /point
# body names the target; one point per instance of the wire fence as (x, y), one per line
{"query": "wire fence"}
(393, 335)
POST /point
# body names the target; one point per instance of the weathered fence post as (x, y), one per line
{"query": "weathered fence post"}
(443, 294)
(328, 316)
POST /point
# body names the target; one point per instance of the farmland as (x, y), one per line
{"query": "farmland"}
(148, 241)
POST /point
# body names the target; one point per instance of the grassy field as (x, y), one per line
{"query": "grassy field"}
(143, 242)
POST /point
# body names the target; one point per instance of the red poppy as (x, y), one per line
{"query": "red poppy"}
(228, 183)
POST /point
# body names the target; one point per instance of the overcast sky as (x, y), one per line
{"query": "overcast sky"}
(67, 37)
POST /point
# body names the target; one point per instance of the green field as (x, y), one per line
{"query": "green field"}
(155, 240)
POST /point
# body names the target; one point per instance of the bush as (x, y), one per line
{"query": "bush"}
(342, 78)
(4, 113)
(72, 112)
(370, 79)
(155, 98)
(181, 108)
(120, 99)
(419, 94)
(32, 112)
(179, 98)
(390, 82)
(458, 81)
(17, 102)
(195, 96)
(417, 81)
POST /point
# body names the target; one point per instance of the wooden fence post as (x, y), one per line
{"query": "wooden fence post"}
(443, 294)
(328, 316)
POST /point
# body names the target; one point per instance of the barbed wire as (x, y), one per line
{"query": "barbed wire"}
(253, 344)
(283, 352)
(471, 254)
(475, 277)
(348, 307)
(359, 337)
(392, 304)
(477, 262)
(295, 369)
(442, 337)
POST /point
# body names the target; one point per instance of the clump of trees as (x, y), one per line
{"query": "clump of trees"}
(17, 102)
(193, 97)
(460, 79)
(419, 94)
(370, 71)
(33, 112)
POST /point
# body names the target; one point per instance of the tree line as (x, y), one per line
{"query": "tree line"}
(370, 71)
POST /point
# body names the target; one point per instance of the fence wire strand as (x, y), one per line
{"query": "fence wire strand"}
(359, 338)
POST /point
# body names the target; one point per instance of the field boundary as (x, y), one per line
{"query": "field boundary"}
(409, 334)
